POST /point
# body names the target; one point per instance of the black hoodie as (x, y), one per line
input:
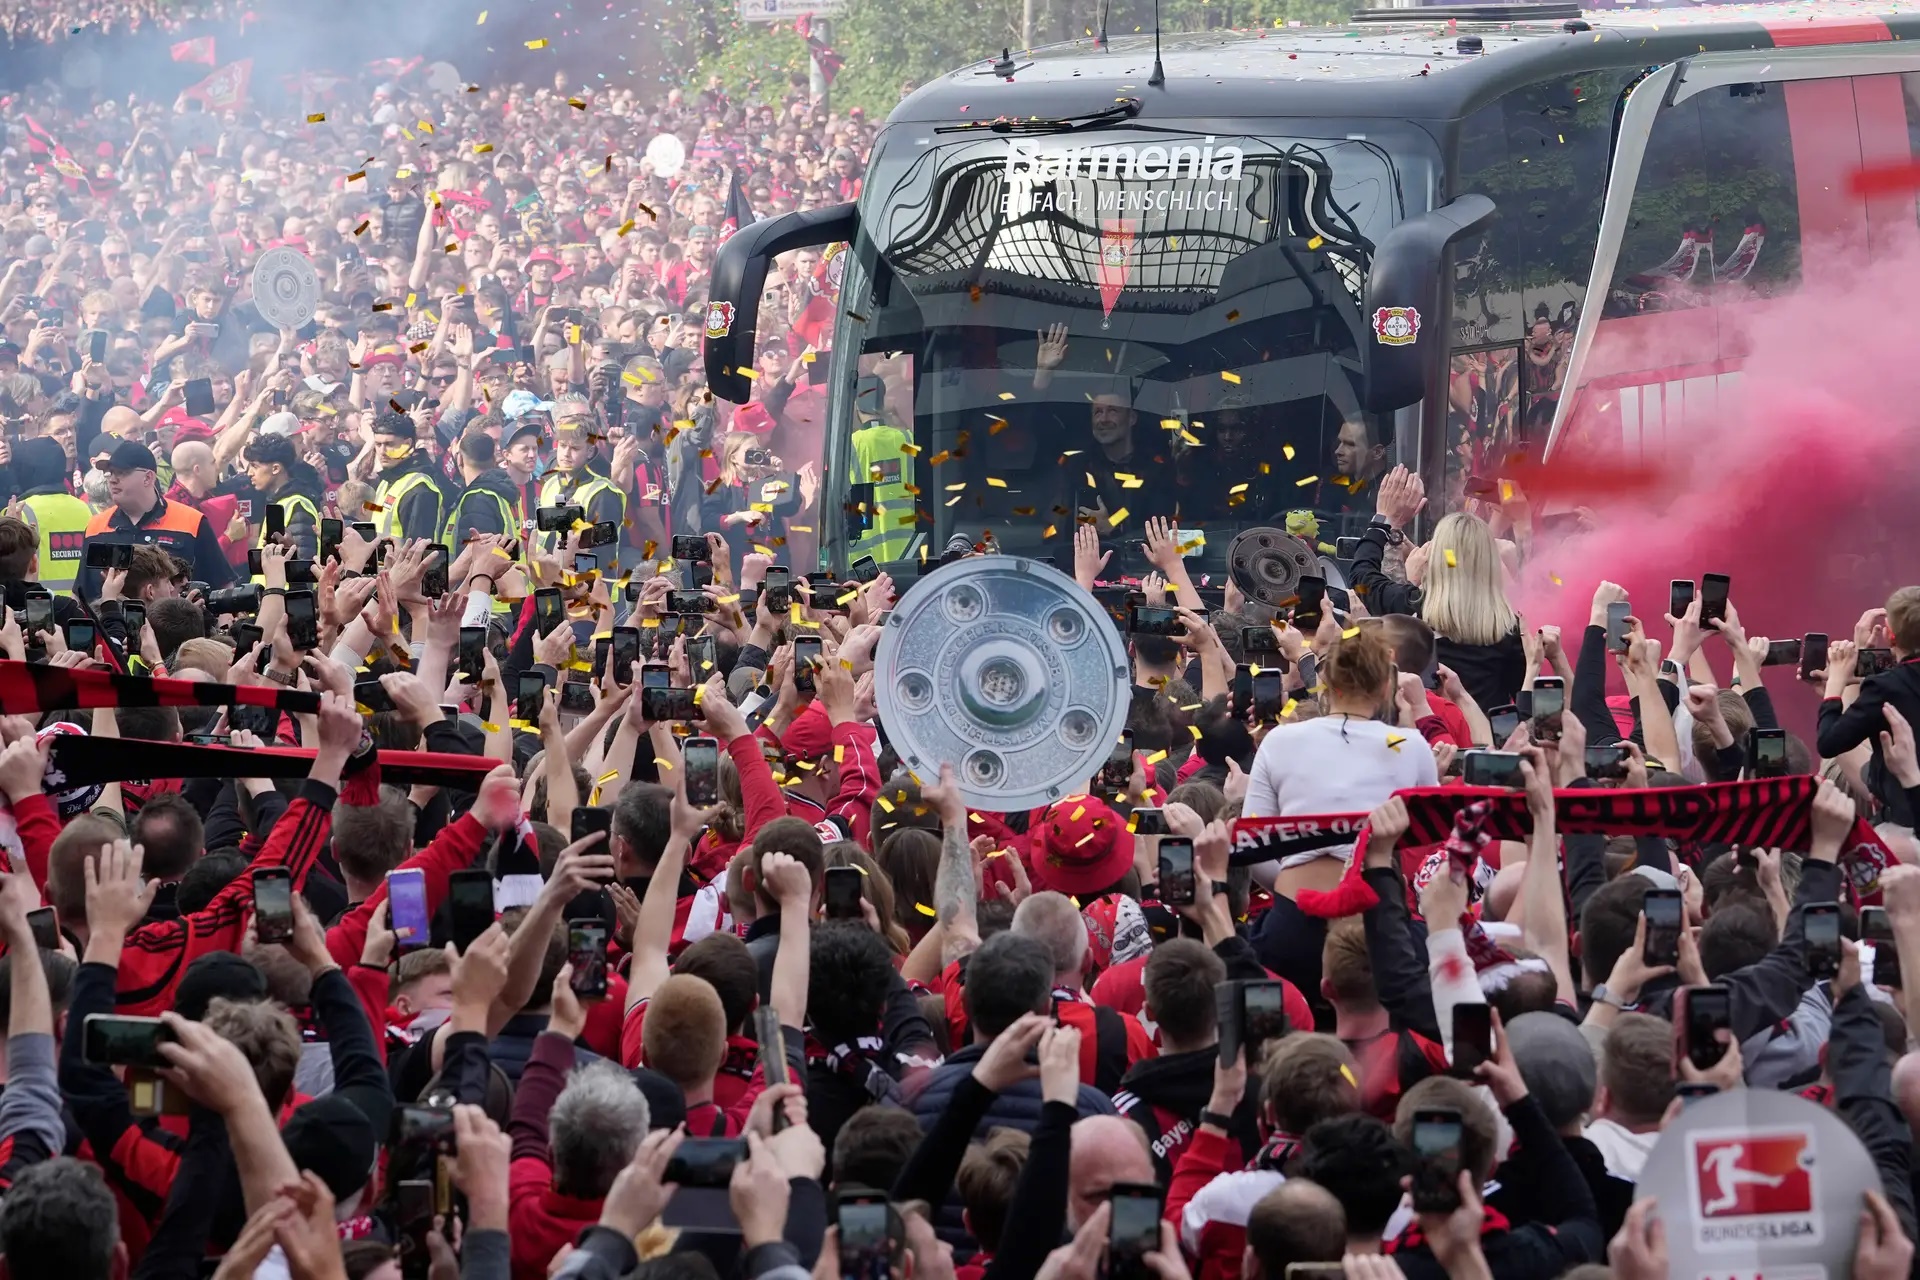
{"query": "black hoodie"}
(475, 512)
(303, 532)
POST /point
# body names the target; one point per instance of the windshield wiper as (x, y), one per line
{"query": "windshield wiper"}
(1125, 109)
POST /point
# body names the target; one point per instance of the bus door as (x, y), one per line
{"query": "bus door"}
(1730, 185)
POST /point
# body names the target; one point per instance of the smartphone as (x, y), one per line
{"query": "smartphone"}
(1491, 769)
(602, 650)
(576, 697)
(773, 1056)
(1875, 927)
(1813, 654)
(273, 904)
(602, 534)
(557, 519)
(1608, 762)
(366, 530)
(584, 563)
(135, 617)
(664, 634)
(415, 1203)
(705, 1162)
(1134, 1229)
(1472, 1038)
(1505, 722)
(1268, 690)
(331, 531)
(1699, 1013)
(1549, 702)
(1679, 597)
(1821, 923)
(1665, 915)
(685, 602)
(624, 651)
(823, 591)
(303, 620)
(1149, 822)
(1117, 773)
(700, 757)
(470, 895)
(39, 602)
(653, 675)
(45, 929)
(1437, 1134)
(1240, 691)
(1255, 640)
(1782, 653)
(587, 953)
(247, 635)
(274, 523)
(433, 581)
(843, 893)
(806, 652)
(1306, 610)
(199, 398)
(373, 695)
(548, 609)
(1346, 548)
(659, 704)
(1714, 588)
(1618, 611)
(109, 1040)
(100, 555)
(473, 652)
(691, 546)
(703, 657)
(528, 696)
(587, 820)
(777, 588)
(80, 635)
(1153, 620)
(1176, 872)
(1873, 662)
(407, 913)
(97, 346)
(1767, 750)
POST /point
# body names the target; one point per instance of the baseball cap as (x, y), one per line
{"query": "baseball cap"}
(128, 455)
(753, 417)
(216, 975)
(280, 424)
(519, 403)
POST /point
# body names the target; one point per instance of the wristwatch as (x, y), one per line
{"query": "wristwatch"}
(1394, 536)
(289, 679)
(1603, 996)
(1218, 1121)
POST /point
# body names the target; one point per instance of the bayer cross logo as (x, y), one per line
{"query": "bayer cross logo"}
(1396, 326)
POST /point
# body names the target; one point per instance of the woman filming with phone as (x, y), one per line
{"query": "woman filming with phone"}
(756, 495)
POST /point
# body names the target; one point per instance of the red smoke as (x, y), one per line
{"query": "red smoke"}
(1803, 488)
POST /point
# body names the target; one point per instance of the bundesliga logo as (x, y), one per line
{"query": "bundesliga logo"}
(1753, 1189)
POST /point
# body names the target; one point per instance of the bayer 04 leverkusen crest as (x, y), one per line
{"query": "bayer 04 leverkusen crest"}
(1396, 326)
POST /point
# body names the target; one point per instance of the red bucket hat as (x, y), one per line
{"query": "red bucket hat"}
(1080, 847)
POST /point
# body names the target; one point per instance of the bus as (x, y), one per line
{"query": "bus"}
(1230, 276)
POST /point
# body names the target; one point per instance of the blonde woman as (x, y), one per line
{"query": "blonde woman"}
(1457, 584)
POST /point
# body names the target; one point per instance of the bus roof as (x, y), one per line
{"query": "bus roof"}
(1420, 68)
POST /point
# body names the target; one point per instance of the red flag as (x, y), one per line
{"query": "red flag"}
(46, 150)
(1116, 261)
(819, 50)
(225, 89)
(198, 49)
(739, 212)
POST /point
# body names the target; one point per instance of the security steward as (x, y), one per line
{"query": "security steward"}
(570, 483)
(411, 501)
(140, 515)
(59, 520)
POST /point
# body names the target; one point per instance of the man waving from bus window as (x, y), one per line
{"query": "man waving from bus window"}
(1359, 460)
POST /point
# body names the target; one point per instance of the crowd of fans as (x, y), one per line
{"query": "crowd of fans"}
(583, 921)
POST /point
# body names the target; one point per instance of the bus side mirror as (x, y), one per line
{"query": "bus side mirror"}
(1406, 307)
(739, 274)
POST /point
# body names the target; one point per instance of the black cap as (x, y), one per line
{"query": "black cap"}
(214, 975)
(333, 1137)
(128, 455)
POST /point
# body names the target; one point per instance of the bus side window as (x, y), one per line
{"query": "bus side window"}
(1483, 419)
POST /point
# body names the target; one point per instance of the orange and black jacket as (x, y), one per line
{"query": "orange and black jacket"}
(175, 528)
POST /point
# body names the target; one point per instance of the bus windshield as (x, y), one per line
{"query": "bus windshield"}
(1043, 329)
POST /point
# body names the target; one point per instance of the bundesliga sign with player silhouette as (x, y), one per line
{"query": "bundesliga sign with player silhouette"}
(1772, 1186)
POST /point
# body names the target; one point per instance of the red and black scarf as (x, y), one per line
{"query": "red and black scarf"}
(1764, 813)
(29, 688)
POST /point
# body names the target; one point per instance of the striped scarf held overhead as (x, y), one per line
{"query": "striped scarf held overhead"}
(1763, 813)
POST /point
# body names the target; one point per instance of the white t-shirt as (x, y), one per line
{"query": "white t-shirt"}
(1334, 764)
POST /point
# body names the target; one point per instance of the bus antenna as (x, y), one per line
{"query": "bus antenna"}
(1159, 76)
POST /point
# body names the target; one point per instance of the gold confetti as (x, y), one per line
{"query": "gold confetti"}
(1315, 243)
(1006, 395)
(536, 44)
(625, 227)
(1346, 1070)
(996, 482)
(1301, 484)
(355, 177)
(483, 19)
(1228, 375)
(577, 104)
(481, 148)
(1286, 451)
(921, 907)
(1393, 742)
(1156, 757)
(1350, 633)
(1452, 563)
(1113, 521)
(317, 117)
(1239, 488)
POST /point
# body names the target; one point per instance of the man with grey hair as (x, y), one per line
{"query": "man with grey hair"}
(1556, 1061)
(1109, 1041)
(59, 1223)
